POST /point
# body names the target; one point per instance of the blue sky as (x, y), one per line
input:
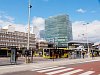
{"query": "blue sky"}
(18, 9)
(80, 11)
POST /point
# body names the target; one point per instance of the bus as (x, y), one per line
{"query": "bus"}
(55, 53)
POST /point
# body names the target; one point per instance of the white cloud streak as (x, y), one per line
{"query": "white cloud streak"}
(10, 19)
(39, 22)
(81, 10)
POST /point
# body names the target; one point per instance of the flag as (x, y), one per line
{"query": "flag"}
(30, 6)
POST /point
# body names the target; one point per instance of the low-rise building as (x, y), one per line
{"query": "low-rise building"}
(41, 44)
(79, 46)
(16, 38)
(76, 44)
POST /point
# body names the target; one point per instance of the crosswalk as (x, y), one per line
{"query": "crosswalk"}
(58, 70)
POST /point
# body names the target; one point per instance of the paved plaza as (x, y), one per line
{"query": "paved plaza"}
(41, 62)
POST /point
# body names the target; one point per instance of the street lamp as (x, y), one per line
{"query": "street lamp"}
(27, 52)
(87, 39)
(29, 9)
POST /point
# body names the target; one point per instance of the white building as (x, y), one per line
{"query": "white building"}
(10, 37)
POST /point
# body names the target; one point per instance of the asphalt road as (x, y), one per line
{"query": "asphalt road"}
(88, 68)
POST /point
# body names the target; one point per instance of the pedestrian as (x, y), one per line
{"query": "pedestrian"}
(16, 57)
(53, 55)
(83, 54)
(73, 55)
(70, 53)
(92, 54)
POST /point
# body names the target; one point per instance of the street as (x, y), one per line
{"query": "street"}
(86, 68)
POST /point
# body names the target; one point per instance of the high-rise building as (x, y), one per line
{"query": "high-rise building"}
(36, 31)
(58, 29)
(42, 34)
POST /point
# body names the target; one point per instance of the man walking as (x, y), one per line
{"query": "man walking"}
(83, 54)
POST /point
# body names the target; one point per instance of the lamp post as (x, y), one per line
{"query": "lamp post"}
(87, 40)
(29, 9)
(27, 52)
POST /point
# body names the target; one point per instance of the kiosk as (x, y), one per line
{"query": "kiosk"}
(14, 56)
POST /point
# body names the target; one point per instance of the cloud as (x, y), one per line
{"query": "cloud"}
(92, 30)
(81, 10)
(4, 23)
(21, 28)
(6, 20)
(18, 27)
(9, 18)
(39, 22)
(5, 17)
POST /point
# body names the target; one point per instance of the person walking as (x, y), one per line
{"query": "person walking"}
(92, 54)
(83, 54)
(70, 55)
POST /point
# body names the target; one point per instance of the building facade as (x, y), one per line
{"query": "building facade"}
(16, 38)
(41, 44)
(42, 34)
(58, 29)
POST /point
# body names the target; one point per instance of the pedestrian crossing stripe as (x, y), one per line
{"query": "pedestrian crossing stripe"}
(62, 71)
(87, 73)
(51, 69)
(72, 72)
(43, 68)
(50, 73)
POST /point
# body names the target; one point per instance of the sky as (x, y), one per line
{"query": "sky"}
(80, 13)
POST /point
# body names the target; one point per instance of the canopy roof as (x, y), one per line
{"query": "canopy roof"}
(79, 41)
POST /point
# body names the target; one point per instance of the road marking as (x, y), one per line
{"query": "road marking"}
(43, 68)
(57, 69)
(72, 72)
(54, 72)
(51, 69)
(87, 73)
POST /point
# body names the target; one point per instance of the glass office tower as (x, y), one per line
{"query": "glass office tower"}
(58, 29)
